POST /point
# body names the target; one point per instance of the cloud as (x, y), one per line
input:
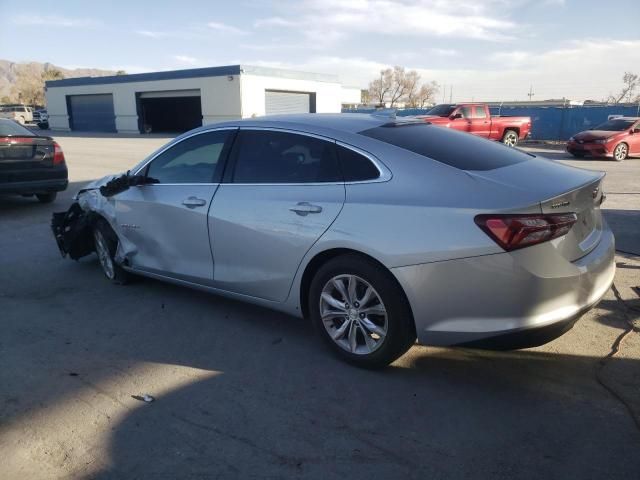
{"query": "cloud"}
(224, 28)
(54, 21)
(187, 60)
(152, 34)
(444, 52)
(334, 19)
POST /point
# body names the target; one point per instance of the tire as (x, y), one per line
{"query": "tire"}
(379, 339)
(106, 244)
(620, 152)
(43, 126)
(46, 197)
(510, 138)
(577, 155)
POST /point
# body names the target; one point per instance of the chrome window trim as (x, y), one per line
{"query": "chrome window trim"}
(173, 144)
(384, 173)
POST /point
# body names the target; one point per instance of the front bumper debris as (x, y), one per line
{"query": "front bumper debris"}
(73, 232)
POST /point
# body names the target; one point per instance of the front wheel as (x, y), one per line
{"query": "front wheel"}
(361, 312)
(106, 244)
(510, 138)
(620, 152)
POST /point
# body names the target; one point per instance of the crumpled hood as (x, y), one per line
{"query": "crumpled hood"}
(95, 184)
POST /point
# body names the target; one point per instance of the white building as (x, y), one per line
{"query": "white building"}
(179, 100)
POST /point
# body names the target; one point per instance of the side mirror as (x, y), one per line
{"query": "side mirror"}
(455, 116)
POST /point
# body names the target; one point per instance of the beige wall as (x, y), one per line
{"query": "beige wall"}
(253, 96)
(220, 99)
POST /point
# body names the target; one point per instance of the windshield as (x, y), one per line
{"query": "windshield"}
(615, 125)
(442, 110)
(9, 127)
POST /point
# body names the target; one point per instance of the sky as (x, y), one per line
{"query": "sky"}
(476, 50)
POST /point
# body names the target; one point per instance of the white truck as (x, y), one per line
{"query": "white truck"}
(19, 113)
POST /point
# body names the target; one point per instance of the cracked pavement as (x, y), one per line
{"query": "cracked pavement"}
(242, 392)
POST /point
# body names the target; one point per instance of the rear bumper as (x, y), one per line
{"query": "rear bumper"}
(509, 300)
(35, 186)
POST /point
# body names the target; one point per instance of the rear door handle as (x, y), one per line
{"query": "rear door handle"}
(193, 202)
(305, 208)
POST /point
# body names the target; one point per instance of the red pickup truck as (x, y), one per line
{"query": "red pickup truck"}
(475, 118)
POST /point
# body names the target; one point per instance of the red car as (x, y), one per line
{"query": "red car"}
(476, 119)
(618, 138)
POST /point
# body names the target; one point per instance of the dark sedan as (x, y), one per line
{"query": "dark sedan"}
(30, 164)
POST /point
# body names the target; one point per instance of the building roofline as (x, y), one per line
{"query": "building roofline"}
(193, 73)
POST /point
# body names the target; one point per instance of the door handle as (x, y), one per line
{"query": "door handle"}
(305, 208)
(193, 202)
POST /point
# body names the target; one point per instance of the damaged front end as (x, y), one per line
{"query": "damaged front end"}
(73, 229)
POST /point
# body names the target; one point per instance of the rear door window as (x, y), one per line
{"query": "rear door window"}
(457, 149)
(266, 156)
(479, 112)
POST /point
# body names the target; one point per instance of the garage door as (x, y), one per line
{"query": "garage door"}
(172, 111)
(91, 113)
(278, 102)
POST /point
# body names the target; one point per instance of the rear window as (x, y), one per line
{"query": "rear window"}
(9, 127)
(459, 150)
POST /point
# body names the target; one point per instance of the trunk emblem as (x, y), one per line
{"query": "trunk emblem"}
(560, 204)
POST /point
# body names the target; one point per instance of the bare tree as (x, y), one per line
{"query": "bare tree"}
(121, 72)
(380, 87)
(399, 85)
(424, 95)
(631, 81)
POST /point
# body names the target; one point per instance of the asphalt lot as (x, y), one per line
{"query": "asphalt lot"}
(243, 392)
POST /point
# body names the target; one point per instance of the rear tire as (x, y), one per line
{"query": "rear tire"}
(106, 244)
(46, 197)
(510, 138)
(371, 335)
(620, 152)
(577, 155)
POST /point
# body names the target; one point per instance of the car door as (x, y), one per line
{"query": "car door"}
(480, 123)
(633, 139)
(167, 221)
(461, 119)
(282, 191)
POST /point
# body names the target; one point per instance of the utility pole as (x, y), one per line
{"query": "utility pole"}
(530, 94)
(450, 93)
(444, 93)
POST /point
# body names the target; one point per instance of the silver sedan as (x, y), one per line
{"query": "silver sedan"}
(380, 231)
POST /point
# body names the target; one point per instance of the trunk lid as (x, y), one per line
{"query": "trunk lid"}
(25, 152)
(557, 188)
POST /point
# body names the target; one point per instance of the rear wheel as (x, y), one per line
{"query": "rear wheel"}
(106, 244)
(361, 312)
(46, 197)
(620, 152)
(510, 138)
(577, 154)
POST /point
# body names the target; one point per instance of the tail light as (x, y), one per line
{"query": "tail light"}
(512, 232)
(58, 154)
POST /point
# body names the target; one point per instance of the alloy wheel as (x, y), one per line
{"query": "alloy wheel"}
(510, 139)
(353, 314)
(103, 254)
(620, 153)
